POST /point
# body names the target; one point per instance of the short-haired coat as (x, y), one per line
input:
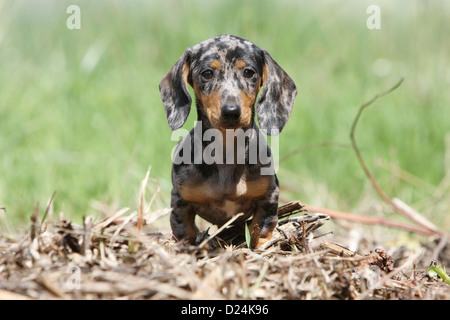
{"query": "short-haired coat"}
(226, 73)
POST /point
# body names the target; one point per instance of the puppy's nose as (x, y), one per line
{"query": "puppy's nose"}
(231, 112)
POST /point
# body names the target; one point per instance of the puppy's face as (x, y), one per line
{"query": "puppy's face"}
(226, 75)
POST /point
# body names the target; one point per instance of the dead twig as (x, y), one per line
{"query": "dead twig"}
(48, 208)
(355, 146)
(290, 208)
(417, 216)
(390, 275)
(204, 242)
(371, 220)
(48, 284)
(142, 204)
(87, 226)
(35, 227)
(441, 246)
(337, 249)
(367, 171)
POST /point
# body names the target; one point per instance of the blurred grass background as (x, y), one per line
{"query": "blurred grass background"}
(80, 111)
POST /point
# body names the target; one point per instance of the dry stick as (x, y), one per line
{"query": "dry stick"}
(417, 216)
(48, 208)
(295, 207)
(371, 220)
(87, 226)
(141, 207)
(391, 274)
(366, 170)
(204, 242)
(34, 222)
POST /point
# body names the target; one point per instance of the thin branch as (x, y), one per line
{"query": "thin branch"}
(364, 166)
(142, 200)
(48, 207)
(416, 256)
(371, 220)
(355, 147)
(204, 242)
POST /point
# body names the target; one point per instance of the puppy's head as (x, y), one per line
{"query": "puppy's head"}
(227, 73)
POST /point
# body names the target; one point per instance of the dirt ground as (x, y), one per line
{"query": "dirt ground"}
(116, 258)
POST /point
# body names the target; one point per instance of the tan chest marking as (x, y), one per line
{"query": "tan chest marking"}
(197, 193)
(244, 189)
(252, 188)
(231, 208)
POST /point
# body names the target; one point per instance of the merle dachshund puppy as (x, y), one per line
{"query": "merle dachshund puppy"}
(236, 174)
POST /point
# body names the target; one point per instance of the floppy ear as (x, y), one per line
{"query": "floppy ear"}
(174, 93)
(277, 98)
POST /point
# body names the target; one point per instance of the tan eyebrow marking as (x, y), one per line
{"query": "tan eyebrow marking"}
(215, 64)
(241, 64)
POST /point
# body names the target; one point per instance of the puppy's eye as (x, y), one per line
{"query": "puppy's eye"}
(248, 73)
(208, 74)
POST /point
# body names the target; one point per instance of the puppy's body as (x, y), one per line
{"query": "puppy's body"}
(216, 192)
(226, 73)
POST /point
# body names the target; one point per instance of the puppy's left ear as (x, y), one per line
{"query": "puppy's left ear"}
(174, 92)
(276, 101)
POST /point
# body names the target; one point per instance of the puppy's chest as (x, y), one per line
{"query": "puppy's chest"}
(224, 186)
(219, 198)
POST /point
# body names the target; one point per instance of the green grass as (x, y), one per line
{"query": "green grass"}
(435, 270)
(80, 111)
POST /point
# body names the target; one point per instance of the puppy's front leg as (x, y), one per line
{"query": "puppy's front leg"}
(264, 220)
(182, 219)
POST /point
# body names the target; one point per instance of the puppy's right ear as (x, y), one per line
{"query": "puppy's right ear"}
(174, 93)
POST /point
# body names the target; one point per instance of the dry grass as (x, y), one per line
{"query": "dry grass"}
(112, 259)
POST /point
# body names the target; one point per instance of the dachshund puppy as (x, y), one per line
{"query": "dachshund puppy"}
(224, 165)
